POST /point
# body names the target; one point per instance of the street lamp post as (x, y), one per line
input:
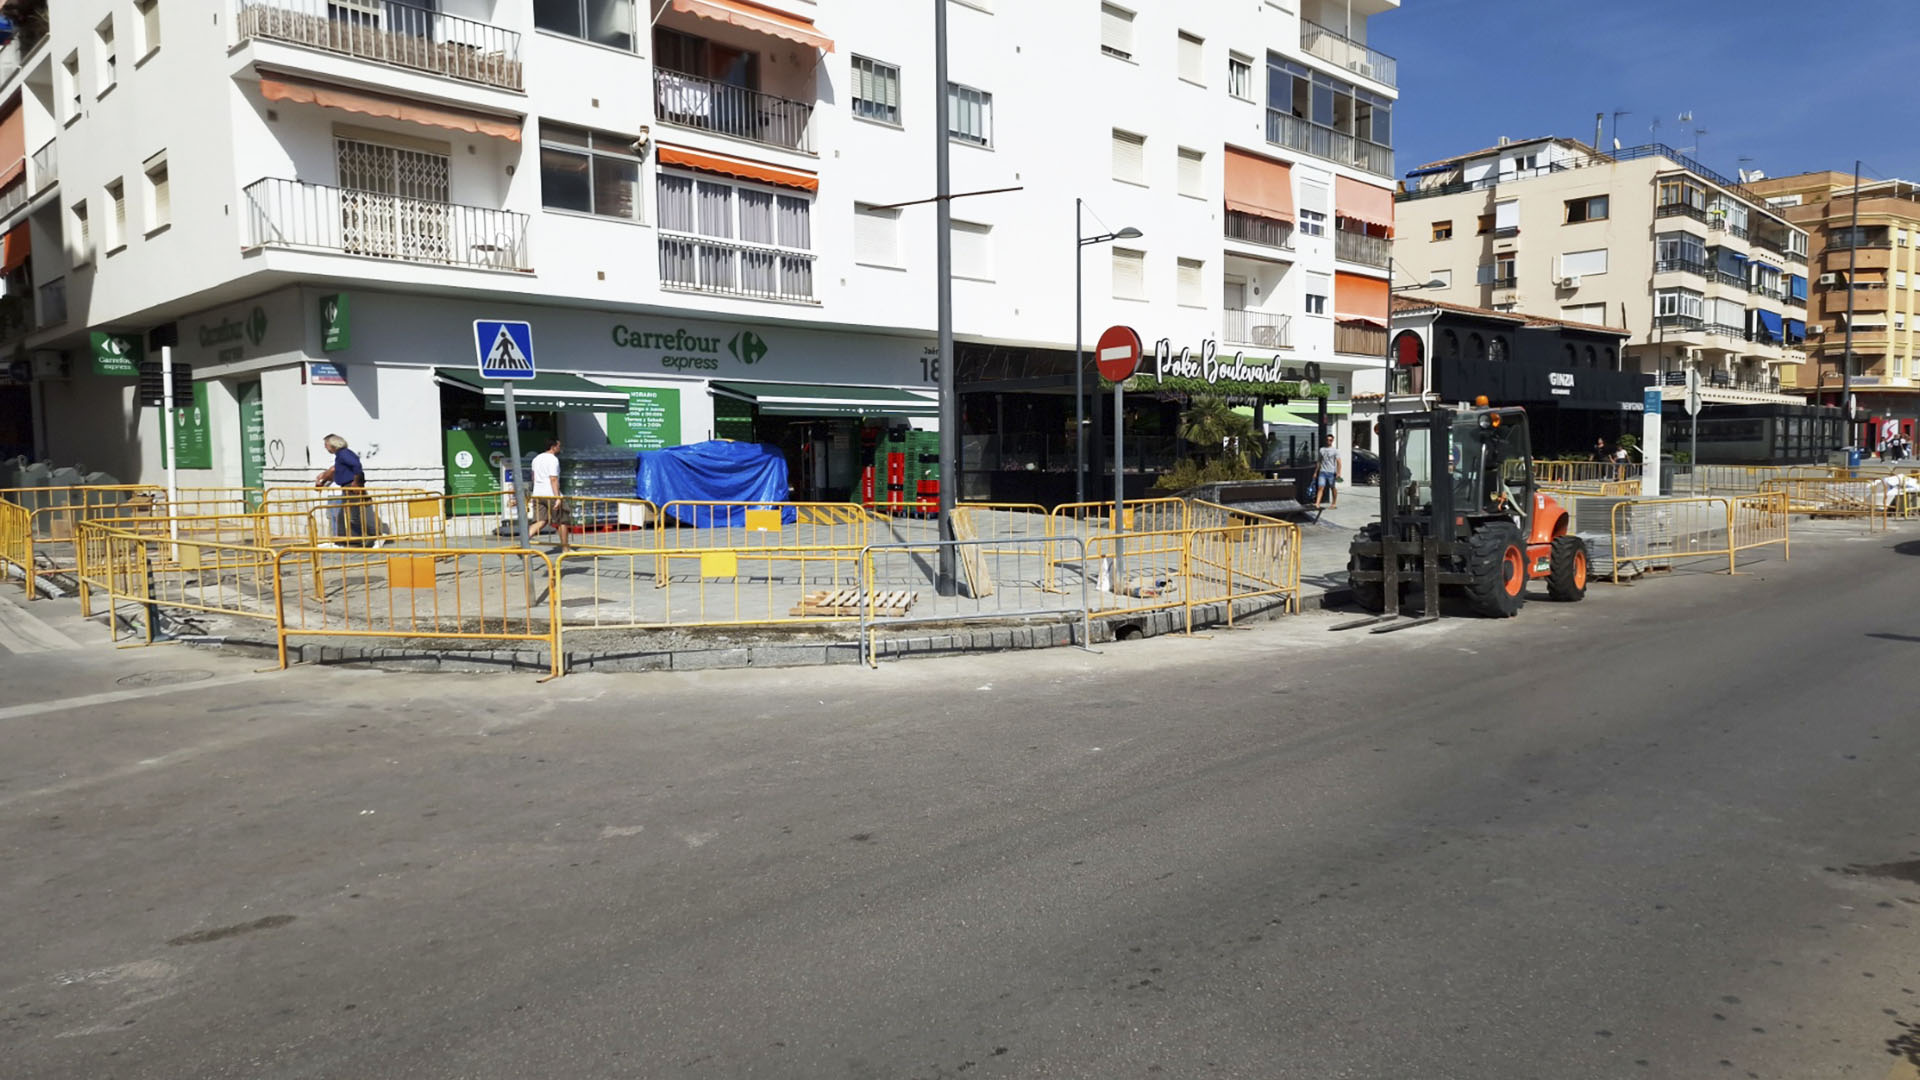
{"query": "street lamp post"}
(1081, 243)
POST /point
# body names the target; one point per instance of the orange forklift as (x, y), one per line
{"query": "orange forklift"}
(1458, 509)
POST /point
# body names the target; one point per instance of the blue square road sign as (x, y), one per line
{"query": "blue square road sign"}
(505, 349)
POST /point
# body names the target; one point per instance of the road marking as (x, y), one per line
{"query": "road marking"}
(23, 633)
(88, 701)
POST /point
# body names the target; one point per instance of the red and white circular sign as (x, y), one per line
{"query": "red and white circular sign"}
(1117, 354)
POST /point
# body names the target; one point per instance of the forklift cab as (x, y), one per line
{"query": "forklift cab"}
(1459, 469)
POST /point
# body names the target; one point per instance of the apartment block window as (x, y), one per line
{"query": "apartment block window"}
(1587, 208)
(82, 232)
(147, 25)
(1129, 157)
(117, 216)
(603, 22)
(876, 91)
(1192, 177)
(1190, 276)
(1583, 263)
(159, 197)
(734, 238)
(1504, 271)
(106, 62)
(1442, 230)
(1679, 303)
(876, 236)
(1318, 287)
(1485, 224)
(1444, 277)
(1506, 217)
(70, 68)
(1682, 193)
(1592, 314)
(1676, 251)
(1321, 99)
(589, 172)
(1312, 211)
(1240, 76)
(1313, 223)
(1193, 58)
(1116, 31)
(1899, 279)
(972, 251)
(969, 115)
(1129, 274)
(1900, 237)
(1899, 320)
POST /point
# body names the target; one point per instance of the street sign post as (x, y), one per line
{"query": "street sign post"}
(505, 351)
(1650, 469)
(1117, 356)
(1693, 432)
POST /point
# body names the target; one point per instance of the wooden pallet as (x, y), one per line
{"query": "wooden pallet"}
(850, 602)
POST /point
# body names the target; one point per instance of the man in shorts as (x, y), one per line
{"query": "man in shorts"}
(549, 508)
(1326, 480)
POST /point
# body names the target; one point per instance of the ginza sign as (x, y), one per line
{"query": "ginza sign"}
(1207, 367)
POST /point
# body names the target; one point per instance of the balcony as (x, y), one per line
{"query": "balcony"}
(53, 302)
(1724, 381)
(1680, 209)
(1267, 329)
(1258, 230)
(701, 264)
(1360, 248)
(45, 167)
(1840, 241)
(1684, 266)
(1684, 324)
(1731, 280)
(1505, 282)
(1772, 292)
(1359, 340)
(691, 101)
(1341, 51)
(394, 33)
(1867, 296)
(313, 217)
(1285, 129)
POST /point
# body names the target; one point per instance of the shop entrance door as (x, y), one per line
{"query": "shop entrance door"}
(253, 437)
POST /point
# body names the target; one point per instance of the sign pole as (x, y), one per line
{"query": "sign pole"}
(519, 468)
(166, 442)
(1119, 485)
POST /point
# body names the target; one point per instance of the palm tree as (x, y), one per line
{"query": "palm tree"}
(1213, 428)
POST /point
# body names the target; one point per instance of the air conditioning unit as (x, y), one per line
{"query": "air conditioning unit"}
(1572, 282)
(1816, 328)
(1829, 279)
(49, 366)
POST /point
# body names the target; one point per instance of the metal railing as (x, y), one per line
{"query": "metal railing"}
(1505, 283)
(1647, 534)
(391, 32)
(693, 101)
(1678, 322)
(1360, 340)
(1285, 129)
(46, 166)
(1843, 242)
(1336, 48)
(1361, 248)
(296, 214)
(1724, 277)
(1680, 209)
(1683, 266)
(1254, 229)
(718, 266)
(1268, 329)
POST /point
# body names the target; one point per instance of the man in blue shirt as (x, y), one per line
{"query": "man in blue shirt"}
(349, 512)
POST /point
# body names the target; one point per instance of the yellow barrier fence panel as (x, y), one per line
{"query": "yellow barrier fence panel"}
(1755, 521)
(1652, 534)
(1836, 498)
(16, 540)
(611, 523)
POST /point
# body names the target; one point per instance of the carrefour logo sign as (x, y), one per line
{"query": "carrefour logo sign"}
(690, 351)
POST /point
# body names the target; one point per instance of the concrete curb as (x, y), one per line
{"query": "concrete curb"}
(921, 643)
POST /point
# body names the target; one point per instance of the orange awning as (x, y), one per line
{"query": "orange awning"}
(1363, 202)
(1357, 297)
(748, 15)
(15, 247)
(366, 103)
(1259, 186)
(737, 167)
(13, 141)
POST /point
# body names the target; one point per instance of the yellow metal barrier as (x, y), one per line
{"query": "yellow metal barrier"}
(475, 594)
(1583, 472)
(1578, 488)
(1241, 562)
(704, 586)
(289, 510)
(16, 540)
(1834, 498)
(1755, 521)
(1657, 533)
(599, 522)
(1744, 479)
(1134, 515)
(152, 572)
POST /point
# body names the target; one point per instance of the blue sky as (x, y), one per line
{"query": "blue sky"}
(1795, 85)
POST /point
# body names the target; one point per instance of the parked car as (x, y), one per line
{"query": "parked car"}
(1366, 466)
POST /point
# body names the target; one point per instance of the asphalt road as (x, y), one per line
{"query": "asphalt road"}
(1669, 832)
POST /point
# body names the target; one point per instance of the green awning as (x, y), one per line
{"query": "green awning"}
(790, 399)
(549, 391)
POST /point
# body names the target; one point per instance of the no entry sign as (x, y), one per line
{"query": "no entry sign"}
(1117, 354)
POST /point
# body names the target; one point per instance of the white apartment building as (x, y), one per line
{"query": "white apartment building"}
(688, 199)
(1699, 270)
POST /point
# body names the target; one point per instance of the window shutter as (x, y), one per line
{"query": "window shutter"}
(162, 198)
(1581, 263)
(876, 236)
(973, 250)
(1129, 157)
(1129, 274)
(1116, 31)
(1192, 58)
(1506, 215)
(1191, 182)
(1189, 282)
(1313, 196)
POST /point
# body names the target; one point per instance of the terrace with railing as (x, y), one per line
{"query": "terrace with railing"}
(702, 264)
(725, 109)
(1267, 329)
(1253, 229)
(1336, 48)
(45, 166)
(1285, 129)
(297, 215)
(1367, 250)
(392, 32)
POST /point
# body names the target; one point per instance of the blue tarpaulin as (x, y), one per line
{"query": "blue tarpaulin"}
(713, 472)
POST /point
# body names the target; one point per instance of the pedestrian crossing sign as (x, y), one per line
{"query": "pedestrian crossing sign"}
(505, 349)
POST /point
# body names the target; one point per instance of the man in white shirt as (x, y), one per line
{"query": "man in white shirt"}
(548, 507)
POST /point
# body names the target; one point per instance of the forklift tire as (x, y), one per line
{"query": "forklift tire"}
(1498, 567)
(1371, 595)
(1567, 577)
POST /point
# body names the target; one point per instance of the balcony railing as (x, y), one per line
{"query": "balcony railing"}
(1338, 49)
(695, 102)
(1773, 291)
(1724, 277)
(1843, 242)
(1505, 283)
(1682, 323)
(1683, 266)
(1724, 381)
(1359, 340)
(53, 302)
(1363, 249)
(13, 197)
(1680, 209)
(392, 32)
(296, 214)
(1258, 230)
(1267, 329)
(1285, 129)
(46, 167)
(705, 265)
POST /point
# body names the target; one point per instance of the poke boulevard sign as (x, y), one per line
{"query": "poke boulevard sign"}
(1185, 371)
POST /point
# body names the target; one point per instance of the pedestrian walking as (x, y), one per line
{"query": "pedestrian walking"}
(549, 508)
(1326, 480)
(350, 509)
(1620, 461)
(1600, 449)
